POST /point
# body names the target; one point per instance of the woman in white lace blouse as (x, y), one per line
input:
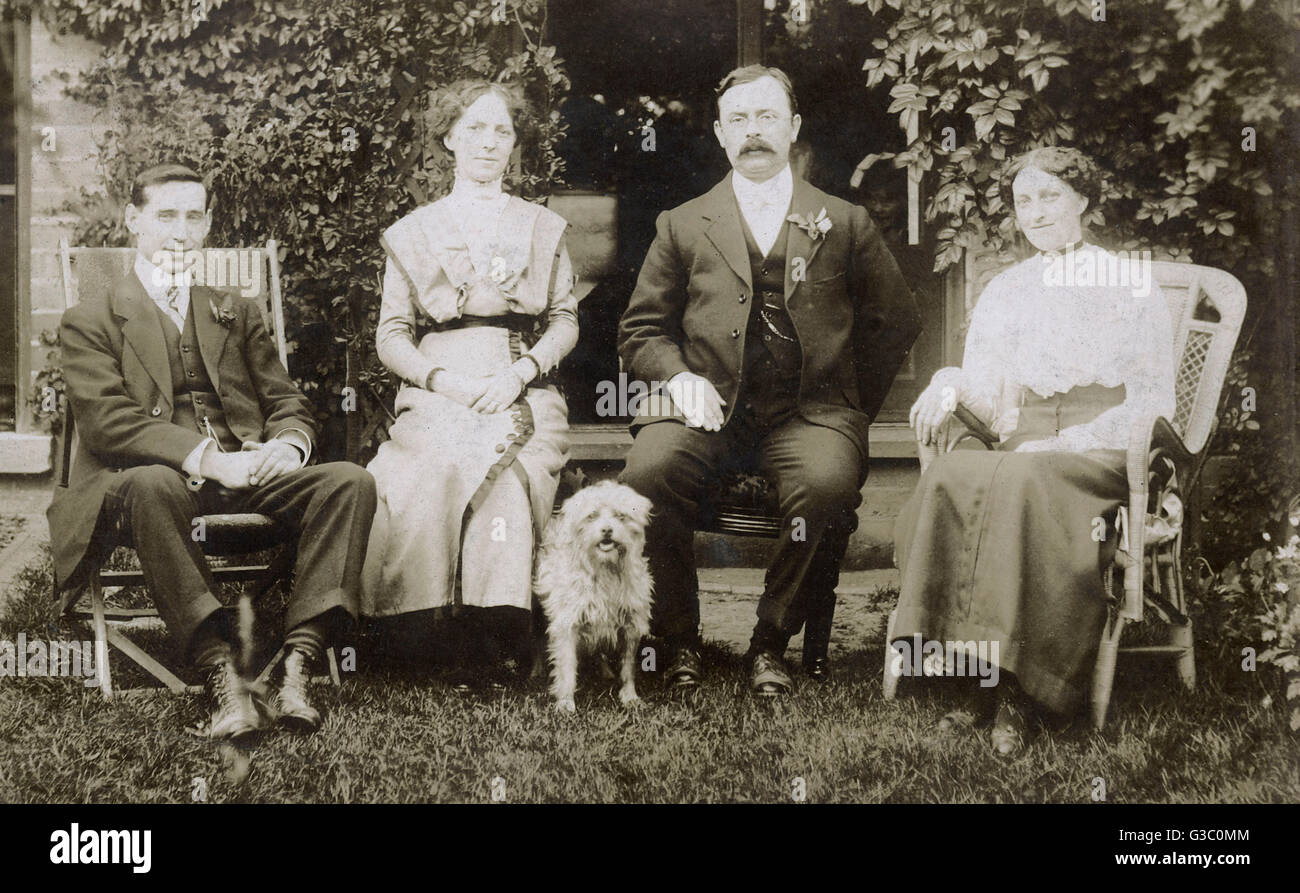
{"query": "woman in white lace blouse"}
(469, 474)
(1065, 352)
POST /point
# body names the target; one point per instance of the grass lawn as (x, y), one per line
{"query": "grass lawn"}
(399, 734)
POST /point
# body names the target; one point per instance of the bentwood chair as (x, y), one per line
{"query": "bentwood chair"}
(229, 537)
(1165, 457)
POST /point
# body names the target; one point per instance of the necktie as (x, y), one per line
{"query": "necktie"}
(173, 296)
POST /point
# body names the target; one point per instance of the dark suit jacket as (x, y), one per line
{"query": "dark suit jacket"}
(852, 310)
(119, 388)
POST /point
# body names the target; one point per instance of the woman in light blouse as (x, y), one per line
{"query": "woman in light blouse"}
(469, 475)
(1062, 357)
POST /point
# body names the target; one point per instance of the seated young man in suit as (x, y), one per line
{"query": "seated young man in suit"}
(183, 409)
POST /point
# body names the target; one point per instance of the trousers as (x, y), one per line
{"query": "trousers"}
(818, 474)
(328, 508)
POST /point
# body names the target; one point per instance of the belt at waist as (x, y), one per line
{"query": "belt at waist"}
(523, 323)
(1042, 417)
(1093, 398)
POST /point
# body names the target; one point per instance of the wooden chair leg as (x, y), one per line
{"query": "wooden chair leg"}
(1180, 635)
(1103, 676)
(890, 682)
(148, 663)
(334, 666)
(263, 676)
(101, 636)
(330, 656)
(817, 627)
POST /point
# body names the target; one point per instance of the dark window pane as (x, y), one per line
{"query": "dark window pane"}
(640, 119)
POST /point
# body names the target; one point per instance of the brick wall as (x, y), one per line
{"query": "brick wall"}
(62, 162)
(59, 171)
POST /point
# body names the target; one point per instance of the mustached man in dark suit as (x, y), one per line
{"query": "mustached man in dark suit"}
(183, 409)
(777, 318)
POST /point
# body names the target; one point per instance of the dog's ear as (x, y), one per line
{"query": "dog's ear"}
(641, 507)
(563, 519)
(570, 513)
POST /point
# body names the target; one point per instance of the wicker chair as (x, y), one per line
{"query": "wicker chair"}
(228, 536)
(1165, 457)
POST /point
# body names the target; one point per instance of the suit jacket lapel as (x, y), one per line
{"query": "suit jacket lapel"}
(142, 329)
(212, 335)
(725, 230)
(798, 243)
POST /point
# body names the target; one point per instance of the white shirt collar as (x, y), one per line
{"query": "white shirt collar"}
(156, 282)
(469, 190)
(776, 190)
(1072, 248)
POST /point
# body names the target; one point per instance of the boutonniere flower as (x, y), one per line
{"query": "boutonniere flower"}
(816, 226)
(223, 314)
(505, 275)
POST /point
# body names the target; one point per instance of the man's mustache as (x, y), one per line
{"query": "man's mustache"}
(755, 145)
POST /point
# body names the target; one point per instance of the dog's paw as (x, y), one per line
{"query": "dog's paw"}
(630, 699)
(566, 705)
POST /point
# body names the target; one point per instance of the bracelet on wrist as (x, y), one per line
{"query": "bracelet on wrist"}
(536, 365)
(428, 379)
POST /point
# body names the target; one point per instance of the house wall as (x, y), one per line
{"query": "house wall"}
(61, 162)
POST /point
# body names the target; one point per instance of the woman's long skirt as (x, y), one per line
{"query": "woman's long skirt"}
(462, 494)
(1002, 547)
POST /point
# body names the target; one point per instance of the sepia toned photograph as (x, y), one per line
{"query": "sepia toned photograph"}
(651, 401)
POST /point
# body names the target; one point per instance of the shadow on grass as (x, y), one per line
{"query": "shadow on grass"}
(396, 733)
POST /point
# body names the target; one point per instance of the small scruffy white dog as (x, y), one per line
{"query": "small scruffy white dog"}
(595, 585)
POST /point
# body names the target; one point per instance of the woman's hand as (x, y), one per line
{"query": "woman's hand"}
(502, 390)
(932, 409)
(464, 389)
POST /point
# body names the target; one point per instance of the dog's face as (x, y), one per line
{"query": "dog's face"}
(606, 521)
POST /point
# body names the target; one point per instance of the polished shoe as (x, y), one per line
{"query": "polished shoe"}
(497, 679)
(767, 675)
(1009, 729)
(685, 671)
(234, 716)
(476, 681)
(818, 667)
(291, 701)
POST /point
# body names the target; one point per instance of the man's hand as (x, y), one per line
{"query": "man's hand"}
(502, 390)
(698, 400)
(270, 460)
(231, 470)
(464, 389)
(932, 409)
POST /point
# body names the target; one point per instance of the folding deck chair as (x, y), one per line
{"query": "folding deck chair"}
(228, 536)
